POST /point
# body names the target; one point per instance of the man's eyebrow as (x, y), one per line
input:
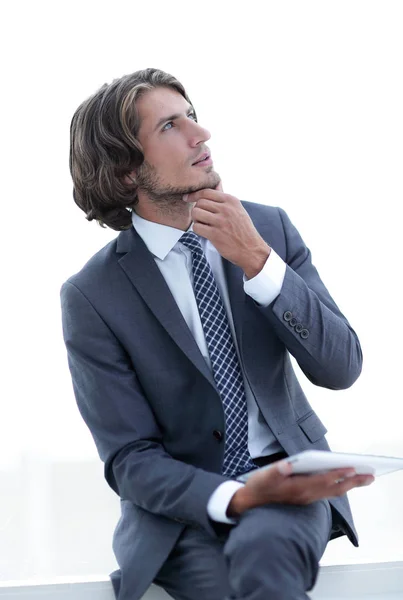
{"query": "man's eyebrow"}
(173, 117)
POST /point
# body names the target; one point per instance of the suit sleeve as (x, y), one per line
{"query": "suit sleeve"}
(308, 321)
(126, 434)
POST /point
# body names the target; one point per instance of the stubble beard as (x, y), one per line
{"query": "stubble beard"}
(167, 198)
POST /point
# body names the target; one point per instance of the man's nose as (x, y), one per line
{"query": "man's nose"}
(199, 134)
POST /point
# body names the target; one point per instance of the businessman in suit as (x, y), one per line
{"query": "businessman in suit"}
(179, 334)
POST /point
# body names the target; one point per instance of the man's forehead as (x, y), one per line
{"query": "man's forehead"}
(158, 103)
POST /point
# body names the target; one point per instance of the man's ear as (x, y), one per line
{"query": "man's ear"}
(130, 178)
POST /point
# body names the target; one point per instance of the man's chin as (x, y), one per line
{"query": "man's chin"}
(171, 194)
(210, 182)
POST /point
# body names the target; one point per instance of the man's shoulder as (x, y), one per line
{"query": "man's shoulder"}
(260, 211)
(259, 206)
(265, 218)
(97, 266)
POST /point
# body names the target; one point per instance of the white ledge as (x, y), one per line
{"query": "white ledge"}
(342, 582)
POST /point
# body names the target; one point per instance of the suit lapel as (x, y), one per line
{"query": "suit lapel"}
(139, 266)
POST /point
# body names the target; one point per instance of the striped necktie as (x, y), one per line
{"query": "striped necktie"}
(224, 360)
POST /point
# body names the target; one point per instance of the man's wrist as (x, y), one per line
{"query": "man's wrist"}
(256, 261)
(238, 504)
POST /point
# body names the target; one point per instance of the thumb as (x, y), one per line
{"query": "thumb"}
(284, 467)
(219, 187)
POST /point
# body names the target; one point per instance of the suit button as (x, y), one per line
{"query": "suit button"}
(287, 315)
(304, 334)
(218, 435)
(299, 328)
(293, 322)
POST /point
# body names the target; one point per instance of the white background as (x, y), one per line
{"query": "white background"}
(304, 103)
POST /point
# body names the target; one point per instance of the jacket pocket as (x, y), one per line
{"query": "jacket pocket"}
(313, 427)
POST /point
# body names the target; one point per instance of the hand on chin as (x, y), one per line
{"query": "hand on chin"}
(218, 187)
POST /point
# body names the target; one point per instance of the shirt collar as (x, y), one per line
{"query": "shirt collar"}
(159, 239)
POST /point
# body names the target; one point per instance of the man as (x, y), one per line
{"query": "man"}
(178, 335)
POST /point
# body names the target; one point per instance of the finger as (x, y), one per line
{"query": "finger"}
(219, 187)
(339, 474)
(278, 472)
(325, 485)
(284, 467)
(330, 479)
(208, 193)
(365, 479)
(205, 217)
(321, 480)
(203, 230)
(339, 489)
(209, 205)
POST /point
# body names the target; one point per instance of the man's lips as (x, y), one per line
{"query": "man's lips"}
(204, 163)
(201, 158)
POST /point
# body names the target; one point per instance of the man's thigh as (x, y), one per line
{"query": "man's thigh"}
(204, 568)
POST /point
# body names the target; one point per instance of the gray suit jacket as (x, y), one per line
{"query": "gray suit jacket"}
(151, 404)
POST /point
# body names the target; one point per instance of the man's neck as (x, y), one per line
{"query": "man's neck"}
(178, 217)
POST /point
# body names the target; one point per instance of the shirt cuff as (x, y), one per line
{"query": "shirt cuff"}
(267, 284)
(220, 499)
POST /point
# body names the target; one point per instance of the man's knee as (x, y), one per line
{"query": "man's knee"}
(288, 525)
(274, 545)
(258, 537)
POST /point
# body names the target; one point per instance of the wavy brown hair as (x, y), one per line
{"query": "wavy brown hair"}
(104, 148)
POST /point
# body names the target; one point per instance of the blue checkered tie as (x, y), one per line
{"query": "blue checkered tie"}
(224, 360)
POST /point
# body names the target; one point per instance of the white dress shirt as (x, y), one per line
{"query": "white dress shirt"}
(174, 260)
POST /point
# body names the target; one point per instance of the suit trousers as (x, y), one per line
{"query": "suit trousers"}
(273, 552)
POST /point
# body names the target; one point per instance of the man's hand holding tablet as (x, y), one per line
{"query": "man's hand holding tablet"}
(277, 484)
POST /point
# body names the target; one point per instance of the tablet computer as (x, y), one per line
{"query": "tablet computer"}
(320, 461)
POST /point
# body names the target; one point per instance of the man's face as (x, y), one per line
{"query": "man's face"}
(171, 146)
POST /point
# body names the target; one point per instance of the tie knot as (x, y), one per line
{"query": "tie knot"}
(191, 240)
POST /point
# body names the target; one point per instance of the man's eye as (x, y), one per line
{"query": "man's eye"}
(171, 122)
